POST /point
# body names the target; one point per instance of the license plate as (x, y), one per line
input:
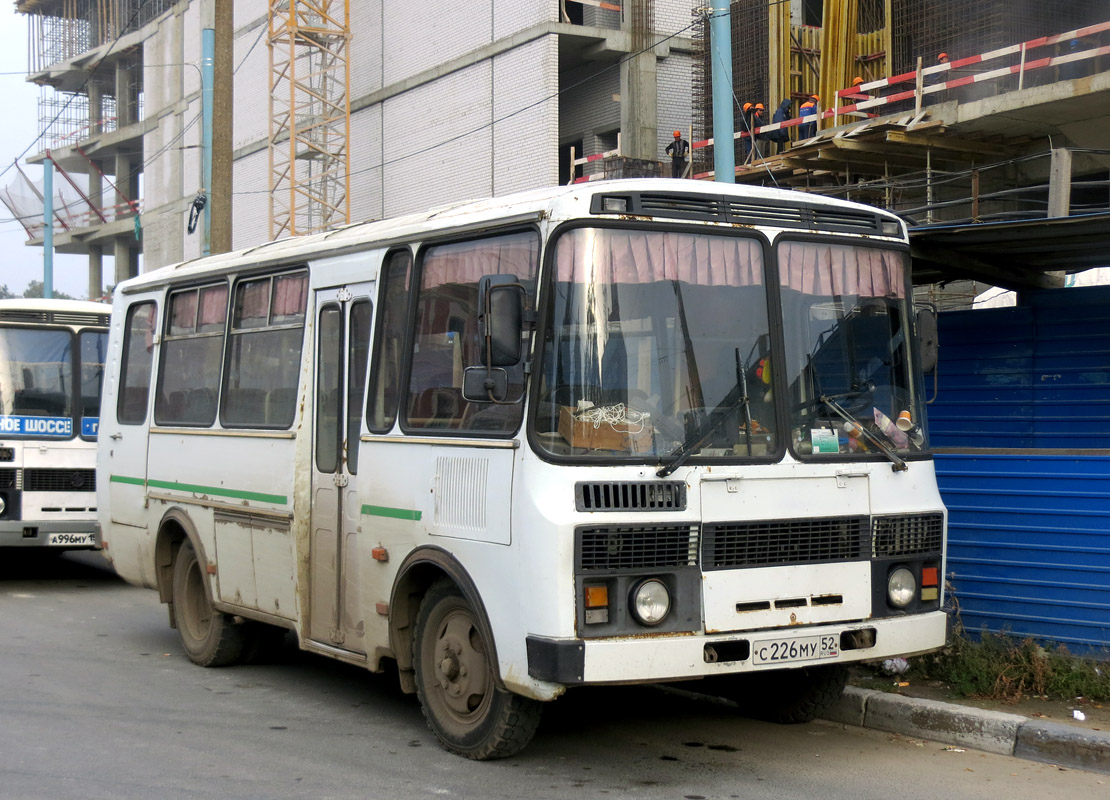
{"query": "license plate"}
(800, 648)
(70, 539)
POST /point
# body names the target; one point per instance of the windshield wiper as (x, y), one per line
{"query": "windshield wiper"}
(736, 397)
(898, 464)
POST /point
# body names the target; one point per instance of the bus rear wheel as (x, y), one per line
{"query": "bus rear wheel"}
(462, 703)
(210, 637)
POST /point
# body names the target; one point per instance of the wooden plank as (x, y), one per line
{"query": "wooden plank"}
(946, 143)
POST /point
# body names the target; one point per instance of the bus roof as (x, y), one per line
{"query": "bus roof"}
(29, 304)
(552, 202)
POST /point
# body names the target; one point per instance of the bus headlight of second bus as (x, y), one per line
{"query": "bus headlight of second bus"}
(901, 587)
(651, 602)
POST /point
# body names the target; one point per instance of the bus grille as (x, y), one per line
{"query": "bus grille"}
(630, 496)
(9, 479)
(54, 317)
(732, 545)
(636, 547)
(908, 535)
(59, 480)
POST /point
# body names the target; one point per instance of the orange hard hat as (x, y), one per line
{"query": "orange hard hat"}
(942, 57)
(677, 134)
(747, 106)
(815, 97)
(759, 106)
(856, 81)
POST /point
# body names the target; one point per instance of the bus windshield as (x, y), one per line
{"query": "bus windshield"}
(37, 391)
(848, 355)
(658, 341)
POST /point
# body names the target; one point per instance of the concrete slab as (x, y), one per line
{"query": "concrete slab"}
(1064, 745)
(991, 731)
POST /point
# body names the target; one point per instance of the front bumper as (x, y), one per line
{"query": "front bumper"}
(677, 657)
(36, 533)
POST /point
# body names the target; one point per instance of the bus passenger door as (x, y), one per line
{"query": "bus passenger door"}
(342, 344)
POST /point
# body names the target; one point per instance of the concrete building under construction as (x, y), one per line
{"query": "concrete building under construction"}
(336, 110)
(343, 110)
(947, 111)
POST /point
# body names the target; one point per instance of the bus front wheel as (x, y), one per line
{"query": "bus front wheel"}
(462, 703)
(210, 638)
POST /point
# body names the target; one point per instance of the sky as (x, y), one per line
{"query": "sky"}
(20, 264)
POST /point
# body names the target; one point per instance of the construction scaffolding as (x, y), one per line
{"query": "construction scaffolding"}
(310, 116)
(64, 29)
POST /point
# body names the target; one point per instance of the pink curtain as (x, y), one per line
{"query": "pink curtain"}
(213, 305)
(290, 294)
(183, 312)
(602, 255)
(466, 262)
(835, 269)
(254, 300)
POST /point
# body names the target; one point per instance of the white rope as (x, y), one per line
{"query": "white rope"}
(614, 415)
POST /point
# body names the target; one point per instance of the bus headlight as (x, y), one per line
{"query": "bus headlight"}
(3, 505)
(901, 587)
(651, 602)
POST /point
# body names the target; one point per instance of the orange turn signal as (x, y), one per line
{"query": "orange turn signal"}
(929, 576)
(597, 596)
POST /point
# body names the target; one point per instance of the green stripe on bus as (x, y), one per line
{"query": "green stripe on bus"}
(395, 513)
(218, 491)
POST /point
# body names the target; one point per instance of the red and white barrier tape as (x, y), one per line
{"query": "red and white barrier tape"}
(598, 4)
(860, 91)
(596, 157)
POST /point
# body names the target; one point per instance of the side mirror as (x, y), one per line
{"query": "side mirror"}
(501, 319)
(485, 385)
(927, 337)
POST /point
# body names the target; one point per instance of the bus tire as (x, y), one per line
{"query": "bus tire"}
(792, 696)
(210, 637)
(463, 706)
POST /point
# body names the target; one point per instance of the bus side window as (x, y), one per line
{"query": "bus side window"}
(264, 342)
(192, 351)
(385, 376)
(447, 338)
(138, 355)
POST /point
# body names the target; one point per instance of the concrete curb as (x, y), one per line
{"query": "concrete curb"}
(966, 726)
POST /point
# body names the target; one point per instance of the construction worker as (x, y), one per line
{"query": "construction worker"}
(942, 77)
(748, 110)
(679, 151)
(808, 129)
(759, 120)
(782, 114)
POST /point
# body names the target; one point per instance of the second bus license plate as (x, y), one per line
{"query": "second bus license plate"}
(70, 539)
(800, 648)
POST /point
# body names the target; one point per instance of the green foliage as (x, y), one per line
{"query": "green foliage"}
(1000, 667)
(34, 289)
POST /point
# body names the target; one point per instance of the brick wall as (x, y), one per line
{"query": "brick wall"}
(525, 144)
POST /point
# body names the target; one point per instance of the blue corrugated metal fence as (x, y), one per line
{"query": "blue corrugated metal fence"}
(1023, 425)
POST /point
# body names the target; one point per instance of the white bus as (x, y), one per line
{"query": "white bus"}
(51, 365)
(635, 431)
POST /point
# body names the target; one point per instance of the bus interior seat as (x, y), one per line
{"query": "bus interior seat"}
(280, 406)
(438, 407)
(201, 406)
(245, 405)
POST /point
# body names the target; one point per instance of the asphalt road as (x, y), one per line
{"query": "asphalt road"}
(97, 700)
